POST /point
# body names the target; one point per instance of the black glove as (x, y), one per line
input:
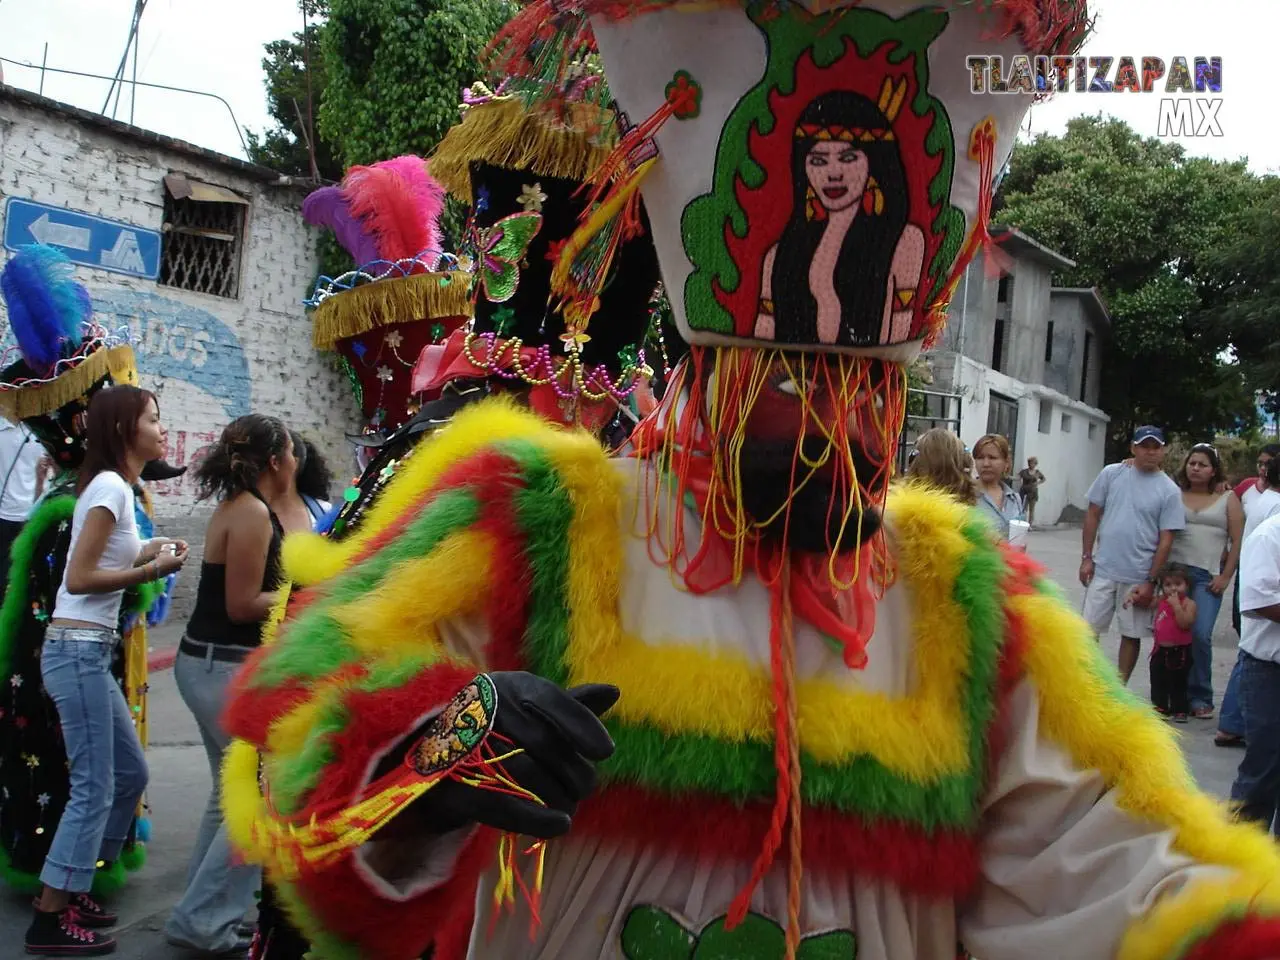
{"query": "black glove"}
(562, 739)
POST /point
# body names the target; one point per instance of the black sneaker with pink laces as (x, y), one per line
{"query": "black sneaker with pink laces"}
(92, 914)
(64, 935)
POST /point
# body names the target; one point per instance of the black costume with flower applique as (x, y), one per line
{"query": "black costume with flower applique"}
(34, 785)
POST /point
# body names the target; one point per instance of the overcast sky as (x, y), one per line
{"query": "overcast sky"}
(217, 47)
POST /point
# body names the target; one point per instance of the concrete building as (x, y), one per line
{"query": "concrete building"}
(220, 330)
(1023, 359)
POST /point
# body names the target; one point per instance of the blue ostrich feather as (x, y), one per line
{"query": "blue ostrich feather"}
(325, 523)
(160, 609)
(46, 305)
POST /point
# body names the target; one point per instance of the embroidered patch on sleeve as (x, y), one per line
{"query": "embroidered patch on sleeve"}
(457, 731)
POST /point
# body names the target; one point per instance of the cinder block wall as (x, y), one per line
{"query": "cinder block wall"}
(209, 359)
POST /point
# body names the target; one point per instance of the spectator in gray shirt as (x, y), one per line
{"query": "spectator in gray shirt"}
(1134, 511)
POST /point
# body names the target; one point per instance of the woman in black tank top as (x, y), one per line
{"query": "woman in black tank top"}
(251, 466)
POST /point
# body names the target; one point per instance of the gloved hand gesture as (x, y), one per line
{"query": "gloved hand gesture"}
(560, 738)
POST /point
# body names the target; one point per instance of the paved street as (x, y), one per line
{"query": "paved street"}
(180, 778)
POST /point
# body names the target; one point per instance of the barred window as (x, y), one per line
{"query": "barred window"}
(203, 237)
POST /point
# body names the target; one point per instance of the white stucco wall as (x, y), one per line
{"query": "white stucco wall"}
(210, 359)
(1069, 459)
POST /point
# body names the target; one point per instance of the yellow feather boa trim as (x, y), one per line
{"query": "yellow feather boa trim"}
(1139, 758)
(387, 630)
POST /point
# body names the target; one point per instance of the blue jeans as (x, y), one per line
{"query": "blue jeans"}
(1200, 683)
(1231, 716)
(108, 772)
(219, 891)
(1257, 786)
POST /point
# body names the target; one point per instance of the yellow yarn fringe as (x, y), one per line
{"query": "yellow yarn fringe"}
(385, 303)
(598, 220)
(1140, 760)
(505, 134)
(70, 385)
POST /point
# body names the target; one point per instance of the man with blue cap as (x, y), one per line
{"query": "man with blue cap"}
(1134, 511)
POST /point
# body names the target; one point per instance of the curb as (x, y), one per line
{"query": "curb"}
(158, 660)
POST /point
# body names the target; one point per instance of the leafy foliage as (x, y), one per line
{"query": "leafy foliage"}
(1247, 265)
(1148, 226)
(396, 70)
(284, 146)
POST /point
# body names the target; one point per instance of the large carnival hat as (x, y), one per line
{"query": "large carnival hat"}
(66, 357)
(823, 171)
(523, 172)
(817, 175)
(404, 293)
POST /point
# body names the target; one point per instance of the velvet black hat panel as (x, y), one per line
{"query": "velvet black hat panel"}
(623, 317)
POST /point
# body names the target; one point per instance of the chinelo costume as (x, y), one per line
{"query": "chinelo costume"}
(849, 724)
(404, 294)
(520, 174)
(66, 359)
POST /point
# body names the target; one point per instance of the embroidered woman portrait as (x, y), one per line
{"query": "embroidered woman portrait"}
(848, 264)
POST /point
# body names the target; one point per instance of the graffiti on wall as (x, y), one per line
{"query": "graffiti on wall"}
(175, 341)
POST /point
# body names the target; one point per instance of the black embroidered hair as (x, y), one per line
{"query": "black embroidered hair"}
(242, 454)
(862, 268)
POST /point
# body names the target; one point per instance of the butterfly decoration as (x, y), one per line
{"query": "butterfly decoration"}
(500, 248)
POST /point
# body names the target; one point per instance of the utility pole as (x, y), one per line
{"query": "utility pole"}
(117, 83)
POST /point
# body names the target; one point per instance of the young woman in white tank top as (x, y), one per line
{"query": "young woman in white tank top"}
(1209, 546)
(106, 767)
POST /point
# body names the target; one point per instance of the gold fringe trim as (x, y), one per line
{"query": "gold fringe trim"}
(385, 303)
(504, 133)
(70, 385)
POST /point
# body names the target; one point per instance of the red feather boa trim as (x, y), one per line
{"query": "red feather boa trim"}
(1253, 938)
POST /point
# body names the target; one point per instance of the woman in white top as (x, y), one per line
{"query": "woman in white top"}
(106, 767)
(1214, 524)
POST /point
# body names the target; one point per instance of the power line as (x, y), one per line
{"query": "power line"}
(140, 83)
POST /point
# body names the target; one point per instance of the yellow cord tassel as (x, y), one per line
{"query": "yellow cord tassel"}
(598, 220)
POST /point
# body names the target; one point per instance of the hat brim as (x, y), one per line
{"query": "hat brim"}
(432, 415)
(159, 470)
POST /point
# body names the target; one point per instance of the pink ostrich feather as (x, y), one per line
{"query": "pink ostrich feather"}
(400, 204)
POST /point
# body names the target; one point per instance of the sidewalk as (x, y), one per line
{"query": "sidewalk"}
(162, 645)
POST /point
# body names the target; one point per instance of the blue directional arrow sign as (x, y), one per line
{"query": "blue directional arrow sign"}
(84, 238)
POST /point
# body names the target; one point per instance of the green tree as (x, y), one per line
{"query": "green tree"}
(1247, 264)
(396, 70)
(284, 146)
(1142, 220)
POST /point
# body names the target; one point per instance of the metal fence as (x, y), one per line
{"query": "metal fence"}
(926, 409)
